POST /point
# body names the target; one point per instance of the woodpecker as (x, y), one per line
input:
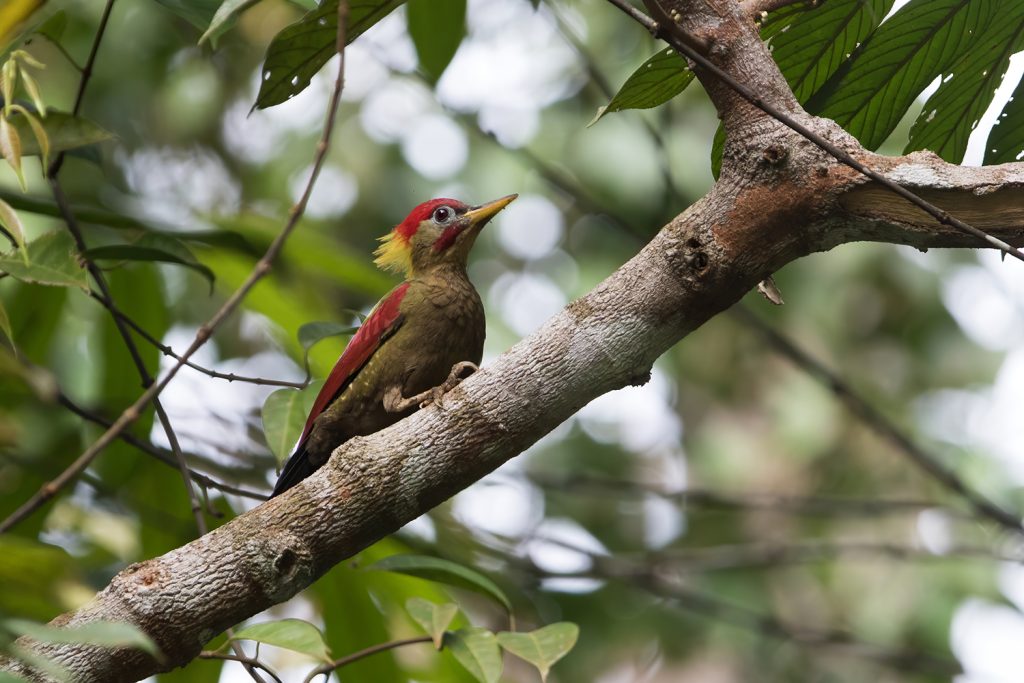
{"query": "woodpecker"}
(417, 341)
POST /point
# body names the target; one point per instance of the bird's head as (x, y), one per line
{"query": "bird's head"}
(436, 233)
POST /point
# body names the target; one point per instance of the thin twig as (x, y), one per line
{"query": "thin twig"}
(168, 351)
(770, 502)
(356, 656)
(158, 453)
(242, 659)
(140, 365)
(880, 424)
(663, 27)
(86, 74)
(260, 270)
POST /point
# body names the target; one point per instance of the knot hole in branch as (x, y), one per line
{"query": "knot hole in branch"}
(695, 258)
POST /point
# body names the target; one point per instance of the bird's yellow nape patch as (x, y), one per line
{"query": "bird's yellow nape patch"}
(394, 254)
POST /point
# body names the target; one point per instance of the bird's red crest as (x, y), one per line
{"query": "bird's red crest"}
(394, 252)
(407, 228)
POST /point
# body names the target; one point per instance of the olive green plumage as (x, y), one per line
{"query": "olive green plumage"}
(408, 350)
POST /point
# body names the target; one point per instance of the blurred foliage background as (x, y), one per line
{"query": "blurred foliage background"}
(730, 521)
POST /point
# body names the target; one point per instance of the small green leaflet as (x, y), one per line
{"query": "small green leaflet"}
(717, 148)
(52, 260)
(53, 28)
(38, 380)
(1006, 141)
(311, 333)
(291, 634)
(102, 633)
(152, 247)
(11, 678)
(223, 17)
(477, 650)
(542, 647)
(443, 571)
(199, 13)
(300, 50)
(5, 323)
(284, 416)
(436, 28)
(434, 618)
(10, 149)
(11, 225)
(657, 81)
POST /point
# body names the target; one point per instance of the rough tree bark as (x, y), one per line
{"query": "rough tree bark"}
(779, 198)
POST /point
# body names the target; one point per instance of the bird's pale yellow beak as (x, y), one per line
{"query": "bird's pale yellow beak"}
(479, 215)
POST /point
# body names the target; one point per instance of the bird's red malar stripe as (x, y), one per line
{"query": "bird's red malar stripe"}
(358, 351)
(447, 237)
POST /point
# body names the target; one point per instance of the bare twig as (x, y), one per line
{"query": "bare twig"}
(767, 502)
(881, 425)
(326, 669)
(663, 27)
(242, 659)
(158, 453)
(168, 351)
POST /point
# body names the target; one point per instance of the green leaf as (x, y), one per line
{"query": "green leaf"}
(657, 81)
(443, 571)
(199, 13)
(291, 634)
(40, 136)
(53, 28)
(5, 323)
(434, 618)
(815, 43)
(1006, 141)
(952, 112)
(872, 90)
(542, 647)
(284, 416)
(298, 51)
(64, 132)
(11, 678)
(10, 148)
(102, 633)
(152, 248)
(477, 650)
(436, 28)
(311, 333)
(42, 383)
(52, 260)
(11, 225)
(223, 18)
(717, 148)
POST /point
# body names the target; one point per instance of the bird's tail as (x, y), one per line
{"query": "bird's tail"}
(295, 470)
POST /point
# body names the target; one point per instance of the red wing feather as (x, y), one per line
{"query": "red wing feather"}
(381, 323)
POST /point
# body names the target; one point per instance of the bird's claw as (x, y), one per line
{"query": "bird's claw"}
(394, 403)
(454, 379)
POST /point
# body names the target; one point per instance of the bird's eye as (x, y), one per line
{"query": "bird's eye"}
(443, 214)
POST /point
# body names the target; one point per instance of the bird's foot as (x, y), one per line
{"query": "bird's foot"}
(395, 403)
(454, 378)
